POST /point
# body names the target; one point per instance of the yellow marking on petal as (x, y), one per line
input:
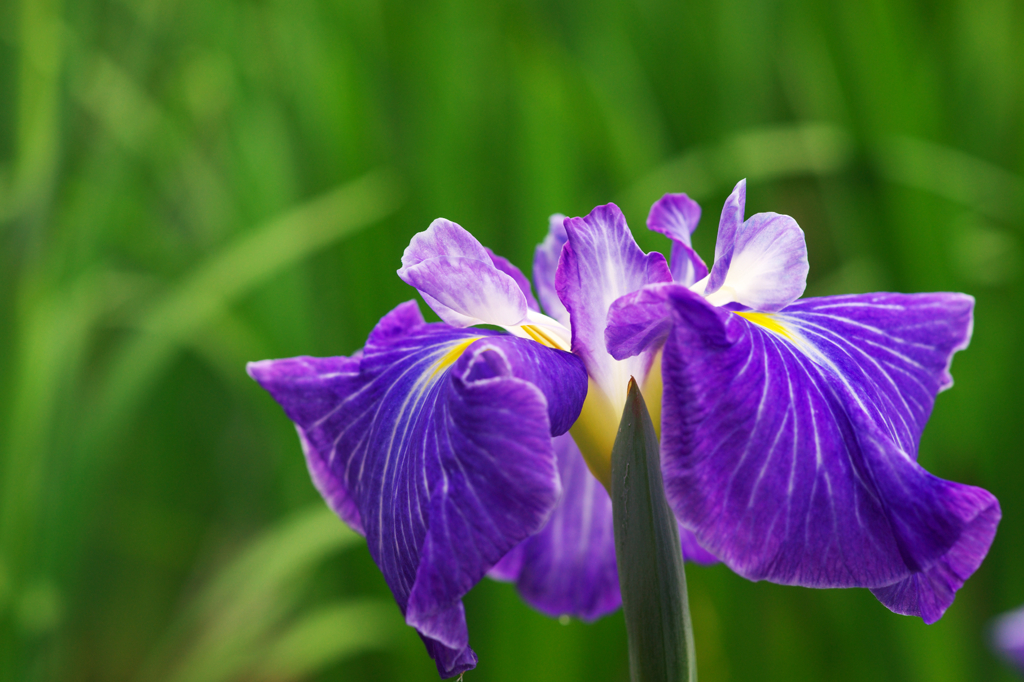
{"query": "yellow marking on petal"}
(598, 424)
(449, 358)
(767, 321)
(539, 335)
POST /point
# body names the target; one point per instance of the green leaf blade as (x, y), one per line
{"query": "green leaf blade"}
(647, 550)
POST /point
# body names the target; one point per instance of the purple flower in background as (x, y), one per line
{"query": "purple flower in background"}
(789, 428)
(1008, 637)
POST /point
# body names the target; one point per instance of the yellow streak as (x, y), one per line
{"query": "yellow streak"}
(449, 358)
(538, 335)
(767, 321)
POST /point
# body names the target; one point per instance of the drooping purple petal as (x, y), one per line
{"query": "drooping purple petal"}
(329, 487)
(600, 263)
(789, 442)
(1008, 637)
(676, 216)
(442, 442)
(971, 512)
(692, 551)
(506, 266)
(459, 280)
(569, 566)
(545, 265)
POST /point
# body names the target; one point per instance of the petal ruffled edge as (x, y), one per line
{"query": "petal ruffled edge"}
(459, 279)
(929, 592)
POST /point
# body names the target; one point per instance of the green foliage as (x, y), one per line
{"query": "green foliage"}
(187, 185)
(242, 626)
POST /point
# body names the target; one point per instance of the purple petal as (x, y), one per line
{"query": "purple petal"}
(692, 551)
(767, 267)
(1008, 637)
(442, 443)
(329, 486)
(545, 265)
(505, 265)
(458, 279)
(600, 263)
(929, 592)
(569, 566)
(760, 263)
(507, 570)
(728, 225)
(639, 322)
(676, 216)
(789, 443)
(451, 662)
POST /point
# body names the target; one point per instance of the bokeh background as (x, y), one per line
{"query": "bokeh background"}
(187, 185)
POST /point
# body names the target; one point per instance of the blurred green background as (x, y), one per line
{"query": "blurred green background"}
(187, 185)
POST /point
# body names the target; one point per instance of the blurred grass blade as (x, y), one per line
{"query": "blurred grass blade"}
(759, 154)
(328, 635)
(38, 101)
(953, 175)
(226, 344)
(647, 550)
(140, 126)
(269, 249)
(52, 339)
(227, 628)
(293, 546)
(235, 271)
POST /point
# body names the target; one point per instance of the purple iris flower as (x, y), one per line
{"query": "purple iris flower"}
(790, 428)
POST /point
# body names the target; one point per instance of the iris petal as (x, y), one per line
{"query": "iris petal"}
(600, 263)
(789, 442)
(445, 456)
(569, 566)
(728, 225)
(760, 263)
(506, 266)
(459, 279)
(545, 265)
(676, 216)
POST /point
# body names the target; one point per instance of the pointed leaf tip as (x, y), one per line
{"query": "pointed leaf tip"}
(651, 577)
